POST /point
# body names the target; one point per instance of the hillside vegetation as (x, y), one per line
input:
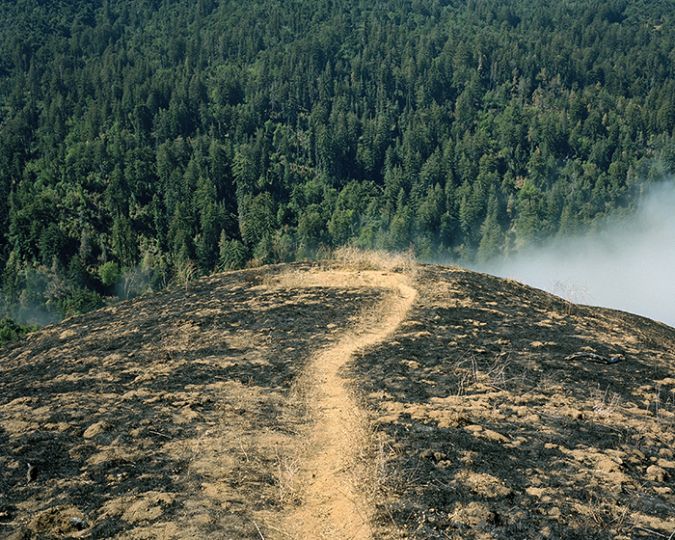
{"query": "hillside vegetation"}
(144, 141)
(341, 400)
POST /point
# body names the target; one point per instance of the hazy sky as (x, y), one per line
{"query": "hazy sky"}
(628, 264)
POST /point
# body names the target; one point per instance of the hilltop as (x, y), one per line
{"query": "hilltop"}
(359, 398)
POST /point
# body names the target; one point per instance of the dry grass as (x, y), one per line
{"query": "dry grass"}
(496, 434)
(286, 472)
(473, 397)
(605, 402)
(187, 273)
(386, 480)
(471, 370)
(376, 260)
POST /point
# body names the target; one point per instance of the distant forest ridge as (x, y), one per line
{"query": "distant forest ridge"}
(145, 142)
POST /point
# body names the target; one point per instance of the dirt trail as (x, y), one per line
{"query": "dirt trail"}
(332, 479)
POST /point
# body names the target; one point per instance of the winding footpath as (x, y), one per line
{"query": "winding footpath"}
(333, 478)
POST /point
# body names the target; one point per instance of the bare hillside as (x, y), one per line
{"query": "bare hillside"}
(353, 399)
(496, 428)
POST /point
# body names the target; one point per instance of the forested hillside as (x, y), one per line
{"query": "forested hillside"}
(145, 141)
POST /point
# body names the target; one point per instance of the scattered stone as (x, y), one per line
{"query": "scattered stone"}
(149, 506)
(31, 473)
(78, 523)
(607, 465)
(483, 484)
(94, 430)
(535, 492)
(60, 522)
(20, 534)
(7, 512)
(575, 414)
(185, 416)
(554, 512)
(494, 436)
(474, 514)
(67, 334)
(656, 473)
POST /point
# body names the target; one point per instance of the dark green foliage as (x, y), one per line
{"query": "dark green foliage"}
(139, 136)
(232, 253)
(11, 331)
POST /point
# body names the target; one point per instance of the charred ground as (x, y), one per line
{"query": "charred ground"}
(178, 415)
(494, 433)
(165, 416)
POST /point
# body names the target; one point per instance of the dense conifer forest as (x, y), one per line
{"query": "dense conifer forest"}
(144, 142)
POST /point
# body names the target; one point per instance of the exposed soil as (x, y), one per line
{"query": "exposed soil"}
(492, 433)
(331, 475)
(312, 401)
(166, 417)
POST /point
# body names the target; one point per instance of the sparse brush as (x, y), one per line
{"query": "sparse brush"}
(186, 273)
(572, 292)
(571, 295)
(385, 480)
(286, 471)
(376, 259)
(471, 370)
(605, 402)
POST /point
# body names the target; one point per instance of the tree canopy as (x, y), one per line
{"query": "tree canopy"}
(140, 138)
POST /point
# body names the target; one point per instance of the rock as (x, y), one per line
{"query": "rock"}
(59, 522)
(535, 492)
(575, 414)
(474, 514)
(78, 523)
(20, 534)
(7, 512)
(94, 430)
(483, 484)
(148, 507)
(554, 512)
(66, 334)
(426, 454)
(607, 465)
(494, 436)
(656, 473)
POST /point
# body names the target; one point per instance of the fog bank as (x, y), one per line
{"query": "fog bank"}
(628, 263)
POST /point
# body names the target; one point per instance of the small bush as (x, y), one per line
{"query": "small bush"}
(79, 301)
(11, 331)
(109, 273)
